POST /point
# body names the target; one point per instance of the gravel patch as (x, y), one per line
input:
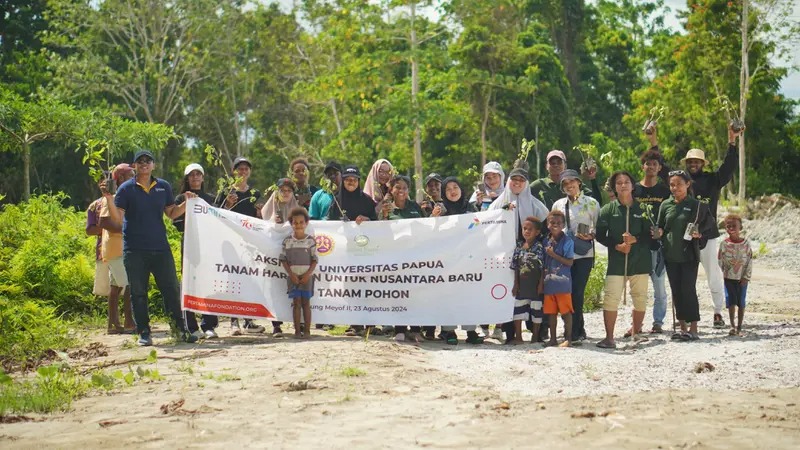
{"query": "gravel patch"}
(767, 356)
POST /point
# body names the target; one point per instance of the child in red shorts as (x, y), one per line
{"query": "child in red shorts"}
(559, 253)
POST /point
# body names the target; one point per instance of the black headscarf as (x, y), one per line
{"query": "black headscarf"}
(460, 206)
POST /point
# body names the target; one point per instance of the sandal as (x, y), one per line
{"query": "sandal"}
(473, 338)
(606, 344)
(656, 329)
(677, 336)
(692, 337)
(629, 333)
(732, 332)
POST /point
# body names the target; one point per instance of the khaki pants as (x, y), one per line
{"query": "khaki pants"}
(615, 284)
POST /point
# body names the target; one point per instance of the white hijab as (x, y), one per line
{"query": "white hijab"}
(491, 167)
(525, 203)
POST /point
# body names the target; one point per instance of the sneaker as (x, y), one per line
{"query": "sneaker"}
(189, 338)
(144, 340)
(497, 334)
(400, 337)
(277, 332)
(211, 334)
(253, 328)
(199, 334)
(719, 322)
(350, 332)
(235, 330)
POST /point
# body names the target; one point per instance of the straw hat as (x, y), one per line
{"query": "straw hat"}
(695, 153)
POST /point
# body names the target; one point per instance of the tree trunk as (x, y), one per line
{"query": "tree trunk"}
(26, 172)
(415, 106)
(744, 87)
(485, 125)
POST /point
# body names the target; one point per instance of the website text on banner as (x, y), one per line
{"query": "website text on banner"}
(435, 271)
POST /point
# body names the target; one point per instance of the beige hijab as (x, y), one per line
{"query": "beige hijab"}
(272, 205)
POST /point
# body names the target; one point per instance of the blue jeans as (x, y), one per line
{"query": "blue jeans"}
(139, 265)
(659, 291)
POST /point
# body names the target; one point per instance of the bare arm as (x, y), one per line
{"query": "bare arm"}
(175, 211)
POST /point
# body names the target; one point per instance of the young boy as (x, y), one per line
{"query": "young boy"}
(528, 281)
(559, 252)
(735, 258)
(299, 259)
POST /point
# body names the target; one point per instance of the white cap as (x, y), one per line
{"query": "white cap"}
(193, 166)
(493, 167)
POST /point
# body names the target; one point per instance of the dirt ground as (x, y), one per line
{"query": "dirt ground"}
(344, 392)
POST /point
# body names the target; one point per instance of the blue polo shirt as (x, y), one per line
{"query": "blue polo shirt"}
(143, 226)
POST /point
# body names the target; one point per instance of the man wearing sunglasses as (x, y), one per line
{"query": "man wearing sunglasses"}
(707, 186)
(138, 206)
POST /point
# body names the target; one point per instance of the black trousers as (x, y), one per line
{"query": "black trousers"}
(683, 283)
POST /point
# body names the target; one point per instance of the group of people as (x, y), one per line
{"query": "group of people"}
(659, 228)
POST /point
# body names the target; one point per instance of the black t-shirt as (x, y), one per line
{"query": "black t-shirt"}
(245, 202)
(654, 195)
(179, 222)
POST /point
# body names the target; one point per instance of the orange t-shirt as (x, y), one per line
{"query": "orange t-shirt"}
(111, 245)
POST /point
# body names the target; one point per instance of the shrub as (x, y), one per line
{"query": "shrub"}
(30, 331)
(593, 298)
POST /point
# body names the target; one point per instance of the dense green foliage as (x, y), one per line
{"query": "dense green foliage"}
(47, 272)
(333, 79)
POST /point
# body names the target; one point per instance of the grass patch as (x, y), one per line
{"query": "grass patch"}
(338, 330)
(353, 372)
(221, 378)
(53, 389)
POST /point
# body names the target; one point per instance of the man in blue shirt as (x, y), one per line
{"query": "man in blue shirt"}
(139, 205)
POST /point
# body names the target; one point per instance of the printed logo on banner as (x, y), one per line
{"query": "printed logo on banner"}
(361, 240)
(476, 222)
(324, 244)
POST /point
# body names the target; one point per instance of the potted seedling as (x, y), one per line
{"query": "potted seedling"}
(227, 183)
(730, 110)
(329, 186)
(588, 164)
(471, 173)
(388, 199)
(647, 213)
(656, 113)
(94, 159)
(522, 156)
(430, 200)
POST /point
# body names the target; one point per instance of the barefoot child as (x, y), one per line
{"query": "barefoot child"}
(736, 260)
(528, 281)
(559, 252)
(299, 258)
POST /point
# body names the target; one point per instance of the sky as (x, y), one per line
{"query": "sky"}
(790, 86)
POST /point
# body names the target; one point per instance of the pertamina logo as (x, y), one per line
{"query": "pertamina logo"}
(324, 244)
(475, 223)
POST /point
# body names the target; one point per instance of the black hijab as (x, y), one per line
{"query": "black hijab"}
(460, 206)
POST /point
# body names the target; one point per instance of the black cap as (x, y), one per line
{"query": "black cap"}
(141, 153)
(433, 176)
(518, 172)
(351, 171)
(241, 160)
(333, 165)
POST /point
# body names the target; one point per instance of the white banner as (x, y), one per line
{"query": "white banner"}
(436, 271)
